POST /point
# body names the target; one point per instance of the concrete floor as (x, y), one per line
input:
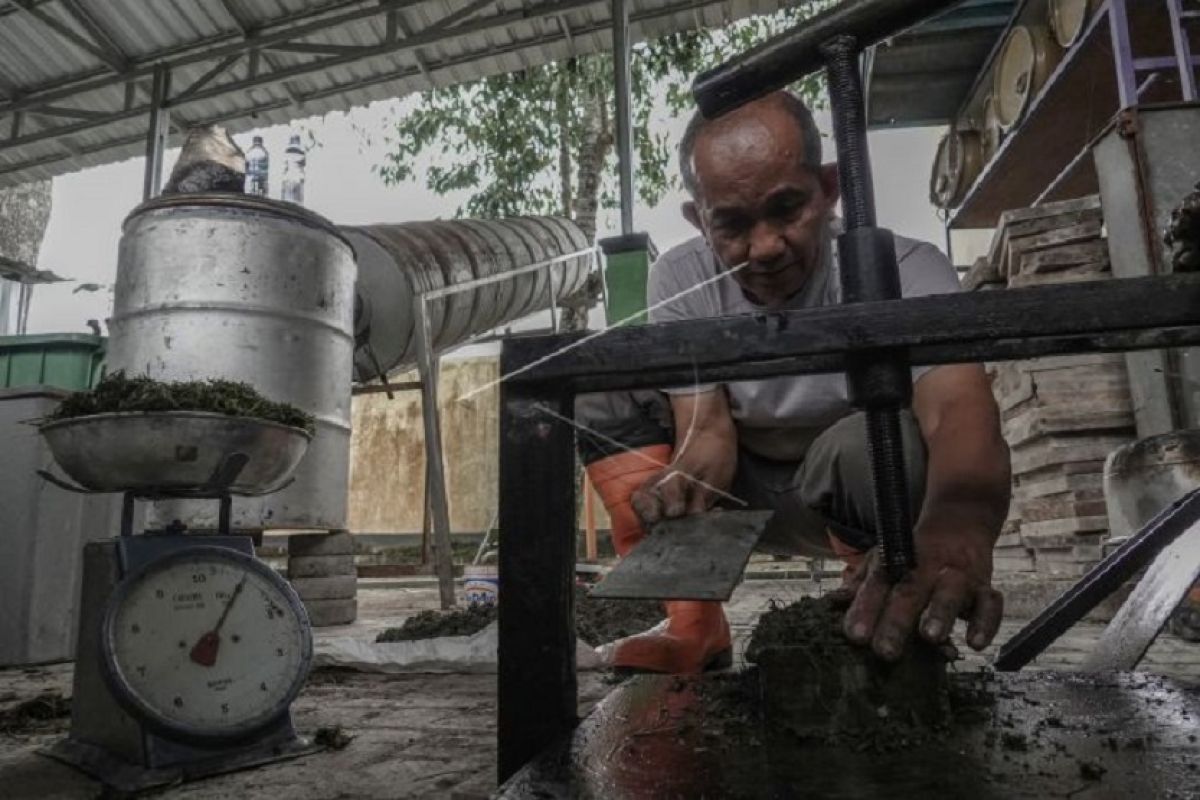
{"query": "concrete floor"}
(415, 735)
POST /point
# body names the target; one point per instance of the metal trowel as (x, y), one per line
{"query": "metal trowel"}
(701, 557)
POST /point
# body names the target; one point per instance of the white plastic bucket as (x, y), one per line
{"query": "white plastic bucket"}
(481, 584)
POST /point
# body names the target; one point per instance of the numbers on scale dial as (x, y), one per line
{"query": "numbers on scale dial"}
(193, 643)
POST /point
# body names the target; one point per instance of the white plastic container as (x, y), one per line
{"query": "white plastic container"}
(481, 584)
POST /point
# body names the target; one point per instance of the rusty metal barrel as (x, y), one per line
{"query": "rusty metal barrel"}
(398, 262)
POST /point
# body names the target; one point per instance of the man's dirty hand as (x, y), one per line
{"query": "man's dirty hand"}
(673, 492)
(953, 580)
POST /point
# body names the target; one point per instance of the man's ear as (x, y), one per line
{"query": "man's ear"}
(828, 176)
(692, 214)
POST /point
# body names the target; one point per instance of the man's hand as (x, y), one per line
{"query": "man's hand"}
(684, 488)
(953, 580)
(703, 465)
(966, 500)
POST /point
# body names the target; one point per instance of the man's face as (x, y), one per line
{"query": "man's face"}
(757, 202)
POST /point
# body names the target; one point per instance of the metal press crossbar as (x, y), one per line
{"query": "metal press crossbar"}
(874, 338)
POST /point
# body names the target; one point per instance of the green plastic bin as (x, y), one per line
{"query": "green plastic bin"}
(626, 269)
(71, 361)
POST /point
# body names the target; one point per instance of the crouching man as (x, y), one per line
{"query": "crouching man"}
(764, 203)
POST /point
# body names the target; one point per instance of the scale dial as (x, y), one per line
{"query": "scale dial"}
(206, 644)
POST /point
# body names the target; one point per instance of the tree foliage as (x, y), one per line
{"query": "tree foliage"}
(541, 140)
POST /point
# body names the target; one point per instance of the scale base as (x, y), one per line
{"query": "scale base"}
(124, 776)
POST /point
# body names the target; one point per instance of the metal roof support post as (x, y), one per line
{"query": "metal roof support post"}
(1183, 51)
(160, 128)
(6, 287)
(24, 301)
(1118, 27)
(621, 48)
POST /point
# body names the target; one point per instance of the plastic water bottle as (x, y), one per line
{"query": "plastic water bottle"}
(258, 165)
(294, 162)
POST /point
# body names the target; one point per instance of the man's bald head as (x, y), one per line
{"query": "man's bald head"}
(776, 103)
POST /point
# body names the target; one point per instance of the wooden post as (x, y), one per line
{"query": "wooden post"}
(537, 703)
(439, 505)
(591, 551)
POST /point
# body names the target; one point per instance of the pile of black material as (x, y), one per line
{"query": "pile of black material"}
(35, 714)
(597, 621)
(116, 393)
(817, 685)
(436, 624)
(1183, 234)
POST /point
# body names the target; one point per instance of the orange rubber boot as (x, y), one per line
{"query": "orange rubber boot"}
(695, 635)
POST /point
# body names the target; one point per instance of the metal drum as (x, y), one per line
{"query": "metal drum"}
(1144, 477)
(1067, 19)
(958, 162)
(253, 290)
(398, 261)
(992, 134)
(1026, 60)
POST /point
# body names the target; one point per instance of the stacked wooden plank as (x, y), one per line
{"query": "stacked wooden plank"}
(1061, 415)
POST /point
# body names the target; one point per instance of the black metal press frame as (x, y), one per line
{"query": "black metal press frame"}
(873, 338)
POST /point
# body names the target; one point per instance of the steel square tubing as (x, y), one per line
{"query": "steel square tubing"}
(1098, 316)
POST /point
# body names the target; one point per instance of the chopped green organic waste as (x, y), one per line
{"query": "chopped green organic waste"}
(117, 392)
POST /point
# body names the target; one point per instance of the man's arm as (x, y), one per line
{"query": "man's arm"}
(703, 464)
(967, 493)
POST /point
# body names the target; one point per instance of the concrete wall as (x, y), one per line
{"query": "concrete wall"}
(387, 456)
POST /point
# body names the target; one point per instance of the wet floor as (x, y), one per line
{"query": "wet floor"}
(1032, 735)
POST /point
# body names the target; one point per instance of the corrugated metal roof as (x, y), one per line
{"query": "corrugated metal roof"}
(922, 77)
(76, 75)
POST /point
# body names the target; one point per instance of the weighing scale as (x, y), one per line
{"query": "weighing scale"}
(190, 650)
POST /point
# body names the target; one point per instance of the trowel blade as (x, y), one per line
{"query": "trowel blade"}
(700, 557)
(1149, 606)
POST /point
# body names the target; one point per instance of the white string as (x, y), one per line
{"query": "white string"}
(641, 455)
(604, 331)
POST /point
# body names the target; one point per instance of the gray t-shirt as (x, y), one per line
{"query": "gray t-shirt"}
(779, 418)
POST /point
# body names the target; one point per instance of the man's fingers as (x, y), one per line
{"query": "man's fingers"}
(985, 619)
(950, 599)
(699, 501)
(673, 490)
(904, 605)
(646, 505)
(868, 603)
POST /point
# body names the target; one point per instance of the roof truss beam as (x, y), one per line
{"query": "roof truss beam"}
(317, 49)
(220, 68)
(115, 62)
(210, 49)
(400, 74)
(432, 35)
(102, 38)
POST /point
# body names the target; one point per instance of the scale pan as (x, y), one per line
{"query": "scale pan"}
(175, 452)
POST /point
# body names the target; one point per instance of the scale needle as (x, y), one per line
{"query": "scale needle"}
(205, 650)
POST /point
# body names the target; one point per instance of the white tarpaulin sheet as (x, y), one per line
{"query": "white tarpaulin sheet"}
(475, 653)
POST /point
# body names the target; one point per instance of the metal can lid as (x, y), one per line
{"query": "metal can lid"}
(237, 202)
